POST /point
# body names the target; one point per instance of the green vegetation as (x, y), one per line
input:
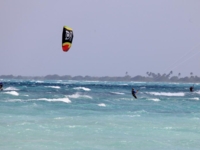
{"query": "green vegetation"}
(150, 77)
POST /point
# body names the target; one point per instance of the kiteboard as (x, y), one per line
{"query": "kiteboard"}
(134, 96)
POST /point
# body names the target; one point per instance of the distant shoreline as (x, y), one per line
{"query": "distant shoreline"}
(139, 78)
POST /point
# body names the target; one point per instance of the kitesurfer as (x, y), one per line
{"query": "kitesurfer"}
(1, 86)
(134, 93)
(191, 88)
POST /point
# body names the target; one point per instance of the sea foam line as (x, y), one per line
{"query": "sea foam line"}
(118, 93)
(155, 99)
(195, 98)
(77, 95)
(102, 105)
(10, 89)
(198, 92)
(82, 88)
(65, 100)
(55, 87)
(167, 94)
(12, 93)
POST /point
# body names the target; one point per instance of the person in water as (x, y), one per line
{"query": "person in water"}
(191, 89)
(134, 93)
(1, 86)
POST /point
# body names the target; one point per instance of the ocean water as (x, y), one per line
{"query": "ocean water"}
(84, 115)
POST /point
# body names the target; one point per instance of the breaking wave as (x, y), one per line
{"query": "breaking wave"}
(82, 88)
(65, 100)
(167, 94)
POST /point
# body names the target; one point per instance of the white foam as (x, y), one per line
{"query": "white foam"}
(74, 95)
(102, 105)
(11, 89)
(77, 95)
(82, 88)
(195, 98)
(198, 92)
(118, 93)
(138, 82)
(167, 94)
(123, 84)
(12, 93)
(55, 87)
(92, 81)
(168, 128)
(65, 100)
(155, 99)
(39, 81)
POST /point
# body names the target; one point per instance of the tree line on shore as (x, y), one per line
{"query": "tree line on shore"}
(150, 77)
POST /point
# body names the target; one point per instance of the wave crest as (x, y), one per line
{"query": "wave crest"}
(12, 93)
(82, 88)
(77, 95)
(65, 100)
(167, 94)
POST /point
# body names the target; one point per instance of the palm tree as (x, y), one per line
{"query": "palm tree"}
(171, 72)
(179, 74)
(150, 74)
(191, 73)
(158, 75)
(164, 75)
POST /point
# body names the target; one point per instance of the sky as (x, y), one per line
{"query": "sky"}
(111, 37)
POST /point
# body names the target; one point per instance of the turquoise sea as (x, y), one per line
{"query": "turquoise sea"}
(85, 115)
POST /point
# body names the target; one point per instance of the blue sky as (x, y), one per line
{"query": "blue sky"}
(111, 37)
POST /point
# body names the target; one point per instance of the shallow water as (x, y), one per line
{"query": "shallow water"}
(85, 115)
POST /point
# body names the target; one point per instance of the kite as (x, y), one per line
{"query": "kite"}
(67, 37)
